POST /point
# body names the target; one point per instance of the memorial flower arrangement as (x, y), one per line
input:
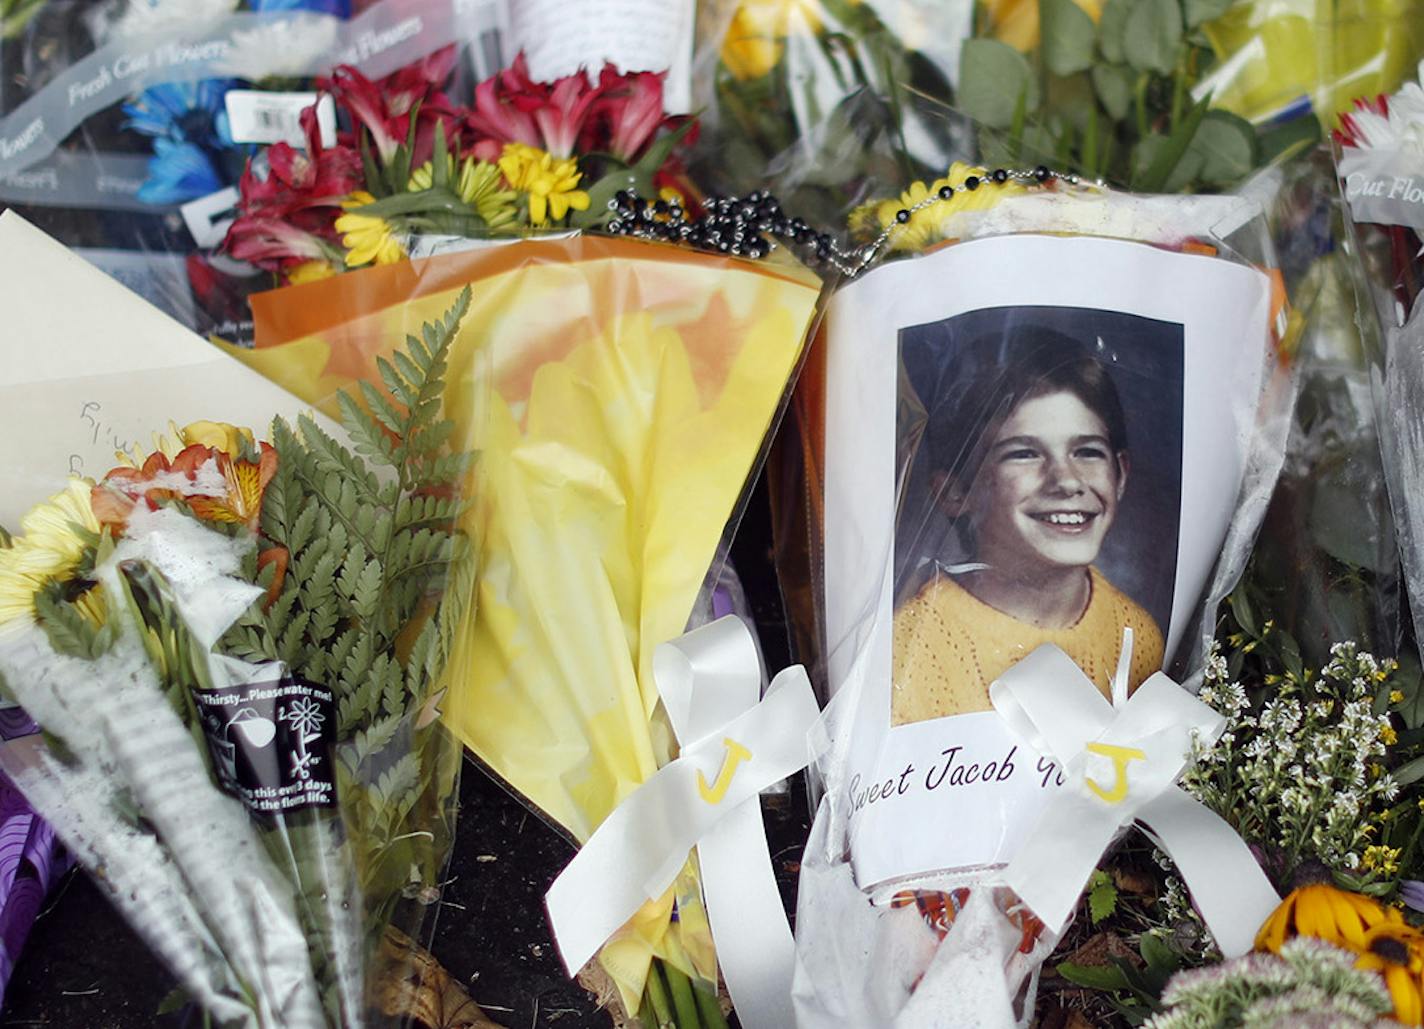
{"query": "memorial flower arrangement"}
(522, 156)
(277, 618)
(194, 153)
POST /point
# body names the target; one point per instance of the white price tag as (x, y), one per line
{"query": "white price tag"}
(257, 117)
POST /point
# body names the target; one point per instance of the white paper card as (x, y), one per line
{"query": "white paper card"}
(255, 116)
(208, 218)
(90, 368)
(559, 37)
(1182, 341)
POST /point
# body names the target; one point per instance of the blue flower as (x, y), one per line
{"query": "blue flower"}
(191, 139)
(340, 8)
(1411, 891)
(179, 172)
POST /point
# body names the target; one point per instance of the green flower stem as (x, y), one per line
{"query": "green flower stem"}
(683, 1002)
(656, 996)
(1139, 96)
(710, 1008)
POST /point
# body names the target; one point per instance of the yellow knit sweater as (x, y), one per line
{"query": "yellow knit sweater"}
(950, 645)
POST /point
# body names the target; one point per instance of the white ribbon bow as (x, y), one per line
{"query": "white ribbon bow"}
(1121, 762)
(732, 747)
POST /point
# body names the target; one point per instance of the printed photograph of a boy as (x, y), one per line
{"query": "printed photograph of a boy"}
(1041, 502)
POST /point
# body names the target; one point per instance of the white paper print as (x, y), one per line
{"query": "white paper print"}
(636, 35)
(939, 793)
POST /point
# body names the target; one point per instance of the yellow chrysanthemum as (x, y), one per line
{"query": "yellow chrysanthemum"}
(49, 548)
(309, 271)
(925, 226)
(478, 184)
(1396, 951)
(1334, 915)
(550, 183)
(367, 238)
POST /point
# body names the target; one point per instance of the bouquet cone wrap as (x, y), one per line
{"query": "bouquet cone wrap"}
(634, 386)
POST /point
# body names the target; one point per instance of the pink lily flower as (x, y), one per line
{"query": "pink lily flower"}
(631, 110)
(272, 243)
(561, 118)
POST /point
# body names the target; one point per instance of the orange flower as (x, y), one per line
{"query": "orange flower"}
(216, 486)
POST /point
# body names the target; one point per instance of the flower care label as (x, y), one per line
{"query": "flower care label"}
(271, 742)
(1383, 187)
(257, 117)
(635, 35)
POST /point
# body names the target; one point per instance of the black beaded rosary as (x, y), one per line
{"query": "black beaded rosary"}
(751, 226)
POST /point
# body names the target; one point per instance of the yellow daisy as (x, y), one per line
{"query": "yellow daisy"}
(367, 238)
(925, 227)
(51, 544)
(551, 184)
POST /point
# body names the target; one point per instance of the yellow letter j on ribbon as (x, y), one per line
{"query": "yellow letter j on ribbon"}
(1120, 757)
(736, 754)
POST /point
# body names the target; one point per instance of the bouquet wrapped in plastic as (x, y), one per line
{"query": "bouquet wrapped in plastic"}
(234, 646)
(634, 385)
(1034, 461)
(1380, 159)
(822, 101)
(127, 125)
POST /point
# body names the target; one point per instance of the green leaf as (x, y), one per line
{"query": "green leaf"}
(1102, 897)
(1164, 164)
(1111, 24)
(1409, 773)
(1159, 957)
(1068, 34)
(1227, 145)
(1198, 11)
(1242, 610)
(993, 76)
(1152, 35)
(1113, 83)
(1094, 977)
(1408, 681)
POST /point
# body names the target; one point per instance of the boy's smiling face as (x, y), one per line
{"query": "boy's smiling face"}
(1048, 489)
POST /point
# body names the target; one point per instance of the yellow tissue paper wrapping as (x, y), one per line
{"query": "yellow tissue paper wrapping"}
(632, 389)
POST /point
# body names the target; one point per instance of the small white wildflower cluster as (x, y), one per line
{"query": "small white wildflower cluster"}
(1311, 983)
(1302, 776)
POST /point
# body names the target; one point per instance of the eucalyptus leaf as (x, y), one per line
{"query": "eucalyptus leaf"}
(1068, 35)
(1113, 84)
(1152, 35)
(993, 76)
(1110, 29)
(1227, 145)
(1198, 11)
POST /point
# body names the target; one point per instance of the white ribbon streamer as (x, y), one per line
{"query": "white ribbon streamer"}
(732, 747)
(1121, 764)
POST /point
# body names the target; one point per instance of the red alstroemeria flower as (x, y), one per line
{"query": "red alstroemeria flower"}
(384, 108)
(629, 112)
(504, 110)
(561, 117)
(273, 243)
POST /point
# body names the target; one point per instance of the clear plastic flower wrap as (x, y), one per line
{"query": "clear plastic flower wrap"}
(634, 386)
(234, 645)
(125, 127)
(1062, 420)
(821, 101)
(1380, 162)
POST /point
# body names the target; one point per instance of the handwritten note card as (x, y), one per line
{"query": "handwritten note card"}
(88, 367)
